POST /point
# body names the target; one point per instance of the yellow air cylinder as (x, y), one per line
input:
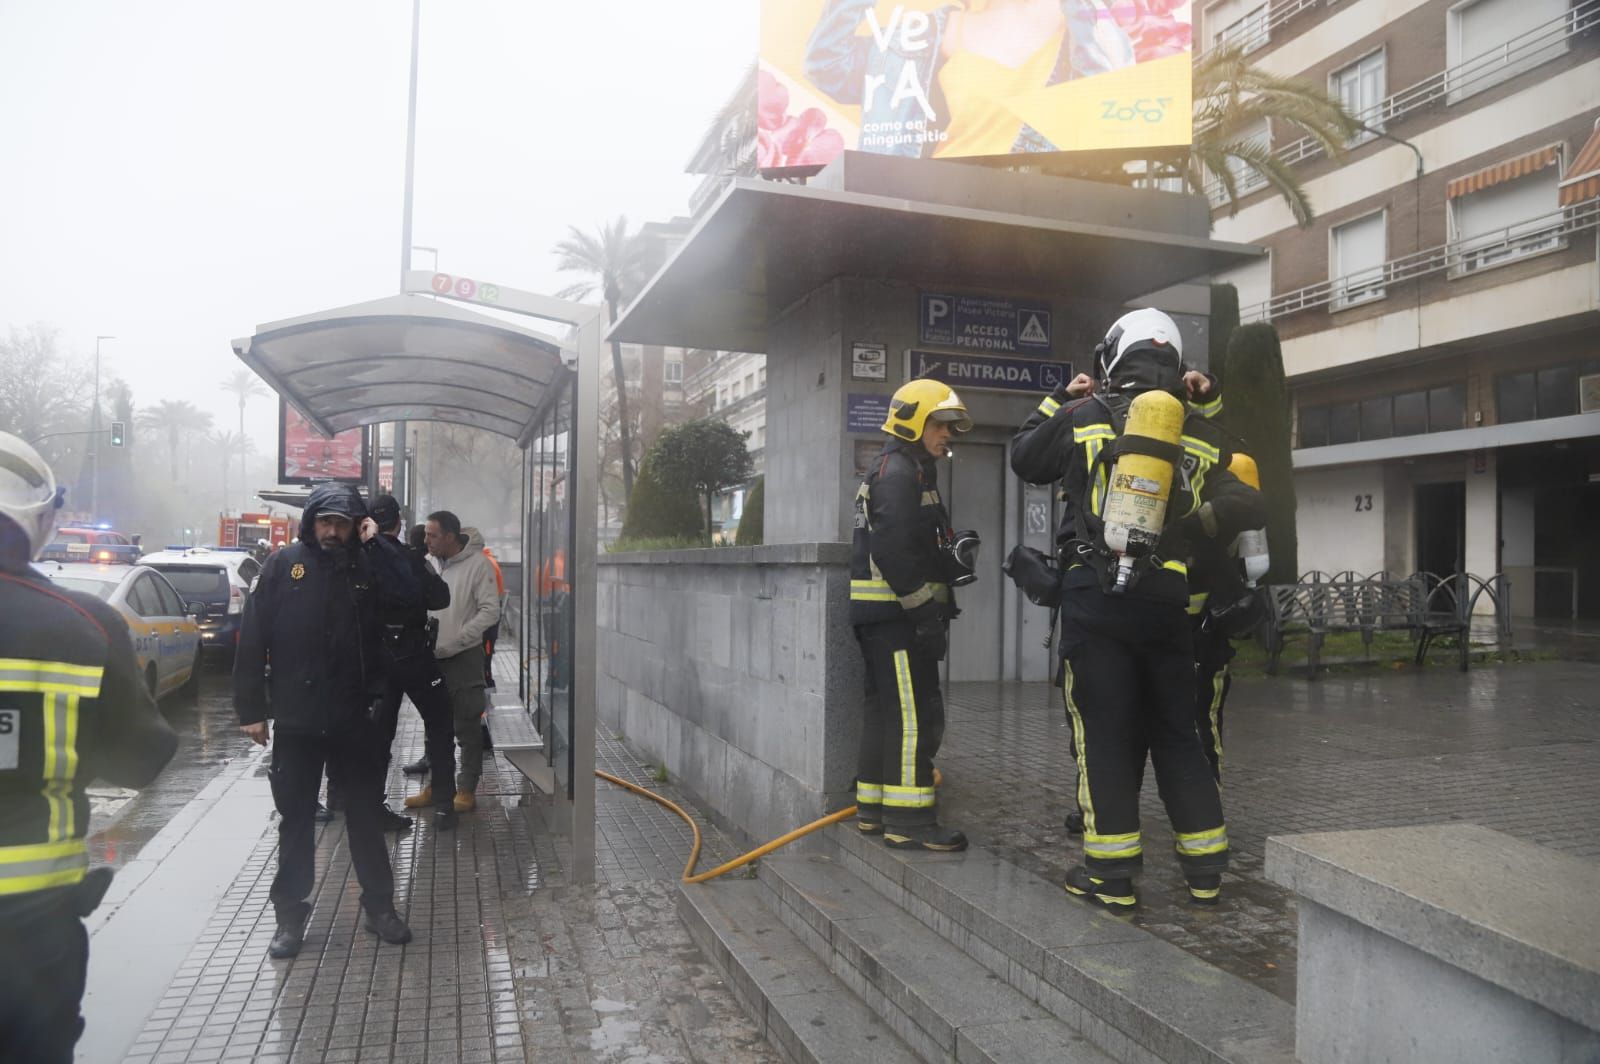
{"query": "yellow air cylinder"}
(1136, 504)
(1250, 546)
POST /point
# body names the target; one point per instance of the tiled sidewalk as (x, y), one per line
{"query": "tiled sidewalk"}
(509, 962)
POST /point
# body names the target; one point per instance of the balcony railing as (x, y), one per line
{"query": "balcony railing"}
(1260, 32)
(1457, 257)
(1458, 80)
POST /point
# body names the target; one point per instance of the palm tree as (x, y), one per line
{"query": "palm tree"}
(245, 385)
(613, 259)
(1232, 97)
(228, 444)
(179, 420)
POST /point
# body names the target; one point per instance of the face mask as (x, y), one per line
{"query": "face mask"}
(1148, 370)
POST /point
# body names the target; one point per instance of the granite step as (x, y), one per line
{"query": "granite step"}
(804, 1011)
(942, 1003)
(1137, 997)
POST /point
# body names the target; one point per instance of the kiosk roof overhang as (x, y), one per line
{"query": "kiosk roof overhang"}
(766, 245)
(411, 358)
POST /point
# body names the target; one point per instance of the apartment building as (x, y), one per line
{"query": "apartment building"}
(1441, 317)
(731, 386)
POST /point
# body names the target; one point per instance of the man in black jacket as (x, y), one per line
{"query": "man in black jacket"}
(73, 708)
(412, 671)
(310, 657)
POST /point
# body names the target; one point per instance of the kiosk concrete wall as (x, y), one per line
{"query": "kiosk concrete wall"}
(736, 670)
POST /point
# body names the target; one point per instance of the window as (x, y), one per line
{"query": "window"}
(673, 373)
(1377, 418)
(1506, 221)
(1247, 179)
(1344, 423)
(1447, 408)
(738, 390)
(722, 399)
(761, 375)
(1356, 254)
(1361, 87)
(1237, 22)
(144, 598)
(1515, 398)
(1488, 41)
(1558, 392)
(1411, 414)
(759, 440)
(1313, 426)
(171, 604)
(248, 570)
(1531, 394)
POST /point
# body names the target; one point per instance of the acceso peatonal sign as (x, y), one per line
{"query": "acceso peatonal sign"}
(965, 372)
(982, 323)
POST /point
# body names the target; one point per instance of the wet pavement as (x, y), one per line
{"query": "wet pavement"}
(1514, 747)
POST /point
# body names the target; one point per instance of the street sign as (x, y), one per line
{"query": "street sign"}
(963, 372)
(869, 362)
(865, 413)
(983, 323)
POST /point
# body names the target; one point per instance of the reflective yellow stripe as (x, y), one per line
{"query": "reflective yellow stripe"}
(1198, 602)
(1217, 684)
(930, 498)
(1111, 847)
(1085, 802)
(908, 797)
(1102, 431)
(50, 677)
(1177, 567)
(1097, 490)
(925, 593)
(1199, 893)
(1201, 449)
(54, 864)
(871, 591)
(1207, 410)
(870, 793)
(1049, 407)
(908, 723)
(1200, 843)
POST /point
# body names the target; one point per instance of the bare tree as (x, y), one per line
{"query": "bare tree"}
(244, 385)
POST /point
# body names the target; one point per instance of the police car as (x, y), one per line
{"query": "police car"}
(218, 577)
(166, 637)
(98, 544)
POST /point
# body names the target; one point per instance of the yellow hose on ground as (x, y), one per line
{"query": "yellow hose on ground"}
(737, 862)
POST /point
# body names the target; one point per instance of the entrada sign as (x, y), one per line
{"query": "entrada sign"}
(997, 374)
(983, 323)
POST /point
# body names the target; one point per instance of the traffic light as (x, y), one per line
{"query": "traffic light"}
(119, 433)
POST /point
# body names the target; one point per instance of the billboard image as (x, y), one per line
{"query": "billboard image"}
(305, 455)
(935, 79)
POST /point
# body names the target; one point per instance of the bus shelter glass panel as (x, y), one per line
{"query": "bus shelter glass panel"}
(548, 655)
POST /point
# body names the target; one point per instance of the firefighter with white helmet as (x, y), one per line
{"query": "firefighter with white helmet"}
(905, 561)
(1143, 480)
(73, 708)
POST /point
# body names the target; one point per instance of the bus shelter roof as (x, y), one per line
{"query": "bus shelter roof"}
(412, 358)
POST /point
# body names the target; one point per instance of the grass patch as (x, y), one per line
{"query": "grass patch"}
(1343, 651)
(659, 773)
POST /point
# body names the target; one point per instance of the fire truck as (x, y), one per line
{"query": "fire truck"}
(246, 530)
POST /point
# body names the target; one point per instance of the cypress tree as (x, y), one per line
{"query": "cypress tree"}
(1224, 319)
(1256, 410)
(752, 525)
(654, 512)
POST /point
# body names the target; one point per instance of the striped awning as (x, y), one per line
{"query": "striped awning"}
(1509, 170)
(1583, 180)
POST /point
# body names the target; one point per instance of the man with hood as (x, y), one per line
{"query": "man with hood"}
(310, 657)
(474, 608)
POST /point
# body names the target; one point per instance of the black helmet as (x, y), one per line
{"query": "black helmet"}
(385, 510)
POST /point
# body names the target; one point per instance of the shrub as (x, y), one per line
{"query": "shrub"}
(752, 526)
(656, 512)
(1256, 410)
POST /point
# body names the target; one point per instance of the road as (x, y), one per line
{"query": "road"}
(122, 821)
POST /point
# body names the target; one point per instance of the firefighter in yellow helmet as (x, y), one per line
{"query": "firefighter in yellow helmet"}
(904, 562)
(73, 708)
(1126, 640)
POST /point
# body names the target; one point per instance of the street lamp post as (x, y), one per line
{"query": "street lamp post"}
(94, 434)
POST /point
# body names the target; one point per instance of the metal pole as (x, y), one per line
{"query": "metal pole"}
(583, 498)
(411, 146)
(94, 438)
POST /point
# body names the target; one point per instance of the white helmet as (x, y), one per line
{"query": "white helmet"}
(28, 493)
(1139, 329)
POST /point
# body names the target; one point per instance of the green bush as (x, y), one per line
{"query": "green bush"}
(1224, 320)
(656, 512)
(752, 525)
(704, 457)
(1256, 410)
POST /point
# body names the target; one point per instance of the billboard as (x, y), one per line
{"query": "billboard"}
(305, 455)
(935, 79)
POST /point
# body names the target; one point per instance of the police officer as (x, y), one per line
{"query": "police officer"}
(900, 605)
(1128, 657)
(412, 672)
(314, 618)
(73, 708)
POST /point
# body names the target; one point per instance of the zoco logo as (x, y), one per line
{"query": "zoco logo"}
(1151, 109)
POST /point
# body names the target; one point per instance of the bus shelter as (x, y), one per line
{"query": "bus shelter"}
(415, 358)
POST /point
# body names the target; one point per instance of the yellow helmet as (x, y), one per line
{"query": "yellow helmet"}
(916, 401)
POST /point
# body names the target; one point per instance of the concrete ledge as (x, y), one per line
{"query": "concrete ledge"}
(1519, 916)
(771, 554)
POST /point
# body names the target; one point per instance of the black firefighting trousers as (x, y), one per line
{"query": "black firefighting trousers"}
(1129, 686)
(356, 756)
(1212, 681)
(44, 962)
(417, 677)
(901, 729)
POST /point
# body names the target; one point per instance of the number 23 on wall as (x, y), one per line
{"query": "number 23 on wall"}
(1363, 502)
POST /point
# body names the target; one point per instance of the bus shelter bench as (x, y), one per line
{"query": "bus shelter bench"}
(1315, 609)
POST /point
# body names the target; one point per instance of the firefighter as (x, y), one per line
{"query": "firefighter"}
(73, 708)
(902, 565)
(1126, 639)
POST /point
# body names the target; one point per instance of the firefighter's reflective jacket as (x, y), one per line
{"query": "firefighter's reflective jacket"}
(1070, 441)
(898, 561)
(73, 708)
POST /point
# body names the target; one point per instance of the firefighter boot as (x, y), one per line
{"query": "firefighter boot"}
(1114, 894)
(935, 837)
(869, 818)
(1205, 890)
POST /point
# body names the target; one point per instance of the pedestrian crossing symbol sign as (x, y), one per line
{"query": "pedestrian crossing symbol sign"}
(1033, 328)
